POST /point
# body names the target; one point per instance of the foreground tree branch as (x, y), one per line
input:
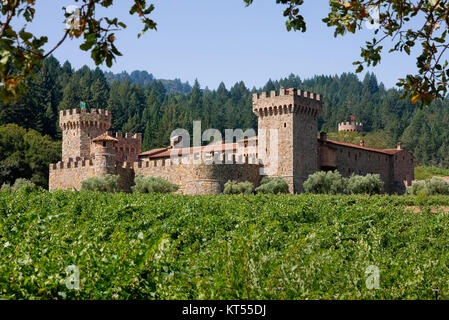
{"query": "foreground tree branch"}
(418, 26)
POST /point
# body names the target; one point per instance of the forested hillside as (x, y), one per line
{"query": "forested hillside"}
(141, 103)
(144, 78)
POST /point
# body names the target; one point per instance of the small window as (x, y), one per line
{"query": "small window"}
(104, 143)
(285, 125)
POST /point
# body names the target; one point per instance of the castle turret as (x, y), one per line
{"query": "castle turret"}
(79, 127)
(104, 150)
(351, 126)
(293, 113)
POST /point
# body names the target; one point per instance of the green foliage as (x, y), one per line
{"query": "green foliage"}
(139, 246)
(424, 172)
(273, 185)
(233, 187)
(26, 154)
(433, 186)
(331, 182)
(108, 183)
(324, 182)
(369, 184)
(153, 185)
(421, 198)
(22, 52)
(378, 139)
(19, 184)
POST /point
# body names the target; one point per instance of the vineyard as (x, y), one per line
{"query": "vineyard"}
(131, 246)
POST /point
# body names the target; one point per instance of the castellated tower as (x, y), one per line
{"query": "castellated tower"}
(79, 127)
(294, 114)
(350, 126)
(104, 149)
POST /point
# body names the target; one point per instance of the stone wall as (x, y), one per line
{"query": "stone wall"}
(305, 147)
(79, 127)
(404, 171)
(191, 178)
(129, 146)
(293, 115)
(198, 178)
(396, 170)
(69, 175)
(127, 149)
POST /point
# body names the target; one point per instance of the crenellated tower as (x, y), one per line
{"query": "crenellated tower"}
(352, 126)
(79, 127)
(291, 115)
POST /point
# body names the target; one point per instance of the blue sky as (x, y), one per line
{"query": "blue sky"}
(222, 40)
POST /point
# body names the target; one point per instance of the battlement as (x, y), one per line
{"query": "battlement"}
(286, 100)
(195, 159)
(350, 126)
(286, 92)
(126, 136)
(82, 118)
(85, 163)
(71, 163)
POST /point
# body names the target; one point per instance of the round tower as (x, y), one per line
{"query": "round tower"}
(79, 127)
(104, 150)
(351, 126)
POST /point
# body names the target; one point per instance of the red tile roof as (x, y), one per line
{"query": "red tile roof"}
(153, 151)
(105, 137)
(167, 152)
(351, 145)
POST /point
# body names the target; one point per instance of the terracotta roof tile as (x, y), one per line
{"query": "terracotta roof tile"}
(105, 137)
(153, 151)
(167, 152)
(351, 145)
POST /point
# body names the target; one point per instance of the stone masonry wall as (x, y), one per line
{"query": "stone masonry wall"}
(198, 178)
(69, 175)
(361, 162)
(404, 171)
(79, 127)
(305, 149)
(293, 113)
(128, 147)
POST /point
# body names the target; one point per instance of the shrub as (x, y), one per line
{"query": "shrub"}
(19, 184)
(153, 185)
(433, 186)
(369, 184)
(108, 183)
(273, 186)
(330, 182)
(421, 198)
(233, 187)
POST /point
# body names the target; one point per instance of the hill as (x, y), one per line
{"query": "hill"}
(144, 78)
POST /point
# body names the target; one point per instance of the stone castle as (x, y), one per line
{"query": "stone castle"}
(89, 150)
